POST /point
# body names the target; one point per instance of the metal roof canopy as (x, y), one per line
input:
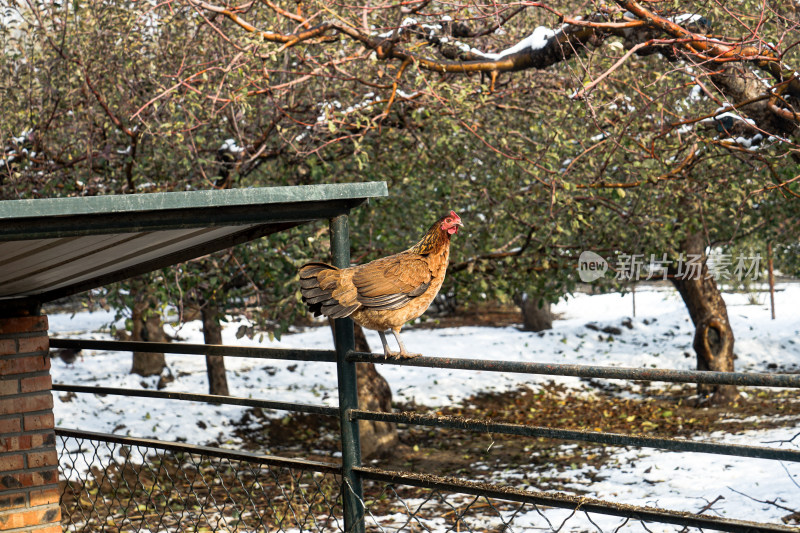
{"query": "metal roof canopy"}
(51, 248)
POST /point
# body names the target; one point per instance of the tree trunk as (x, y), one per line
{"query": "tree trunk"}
(536, 315)
(215, 364)
(713, 338)
(147, 327)
(374, 394)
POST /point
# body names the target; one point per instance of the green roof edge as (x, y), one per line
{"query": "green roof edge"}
(128, 203)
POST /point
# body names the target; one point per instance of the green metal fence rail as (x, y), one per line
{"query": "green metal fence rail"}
(353, 477)
(590, 371)
(210, 451)
(205, 398)
(597, 437)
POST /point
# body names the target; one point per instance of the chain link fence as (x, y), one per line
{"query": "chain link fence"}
(401, 508)
(115, 487)
(119, 484)
(425, 503)
(118, 487)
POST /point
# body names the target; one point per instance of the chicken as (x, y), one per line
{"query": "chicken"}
(388, 292)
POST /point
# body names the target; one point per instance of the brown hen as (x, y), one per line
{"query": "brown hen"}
(388, 292)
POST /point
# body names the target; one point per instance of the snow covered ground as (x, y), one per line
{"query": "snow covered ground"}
(660, 336)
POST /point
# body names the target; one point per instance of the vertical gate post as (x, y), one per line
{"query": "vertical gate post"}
(353, 493)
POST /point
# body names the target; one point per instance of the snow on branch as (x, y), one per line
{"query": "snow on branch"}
(537, 40)
(542, 48)
(644, 30)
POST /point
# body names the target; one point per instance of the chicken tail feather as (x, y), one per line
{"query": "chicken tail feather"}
(322, 291)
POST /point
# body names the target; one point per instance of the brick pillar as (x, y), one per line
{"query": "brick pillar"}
(29, 493)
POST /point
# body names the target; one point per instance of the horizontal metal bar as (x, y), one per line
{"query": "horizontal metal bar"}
(566, 501)
(614, 439)
(300, 464)
(323, 356)
(588, 371)
(204, 398)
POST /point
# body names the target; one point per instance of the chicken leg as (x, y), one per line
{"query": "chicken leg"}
(403, 353)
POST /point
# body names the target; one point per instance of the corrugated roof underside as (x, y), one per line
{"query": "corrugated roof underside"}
(29, 268)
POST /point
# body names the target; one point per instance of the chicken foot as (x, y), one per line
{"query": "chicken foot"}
(403, 353)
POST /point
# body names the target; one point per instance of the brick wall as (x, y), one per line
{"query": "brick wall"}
(28, 460)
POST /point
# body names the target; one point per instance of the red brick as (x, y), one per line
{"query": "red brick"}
(15, 481)
(24, 480)
(13, 444)
(26, 404)
(39, 440)
(27, 442)
(8, 346)
(45, 496)
(12, 500)
(23, 324)
(45, 477)
(10, 425)
(33, 344)
(34, 422)
(12, 462)
(23, 365)
(40, 459)
(37, 383)
(33, 517)
(9, 386)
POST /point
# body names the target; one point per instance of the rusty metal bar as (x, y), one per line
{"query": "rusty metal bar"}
(565, 501)
(294, 354)
(589, 371)
(204, 398)
(272, 460)
(614, 439)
